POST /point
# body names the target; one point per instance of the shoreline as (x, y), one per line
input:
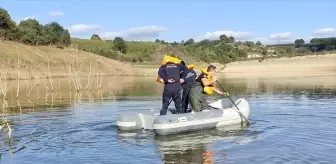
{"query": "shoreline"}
(294, 67)
(286, 67)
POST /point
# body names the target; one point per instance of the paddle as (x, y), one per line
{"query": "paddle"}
(241, 115)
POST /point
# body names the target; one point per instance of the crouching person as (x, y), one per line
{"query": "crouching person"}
(204, 86)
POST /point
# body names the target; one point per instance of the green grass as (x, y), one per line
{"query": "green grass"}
(88, 45)
(136, 51)
(151, 53)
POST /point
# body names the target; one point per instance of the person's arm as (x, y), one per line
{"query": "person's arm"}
(184, 74)
(163, 75)
(183, 68)
(195, 76)
(218, 91)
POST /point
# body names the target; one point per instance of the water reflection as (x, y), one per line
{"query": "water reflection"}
(196, 147)
(198, 154)
(193, 147)
(284, 117)
(38, 96)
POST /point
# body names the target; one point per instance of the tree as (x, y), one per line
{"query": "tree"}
(299, 41)
(231, 39)
(65, 38)
(95, 37)
(174, 43)
(157, 41)
(13, 33)
(223, 38)
(315, 41)
(241, 53)
(189, 42)
(264, 52)
(205, 43)
(258, 43)
(119, 44)
(249, 43)
(7, 25)
(31, 31)
(55, 32)
(4, 19)
(46, 36)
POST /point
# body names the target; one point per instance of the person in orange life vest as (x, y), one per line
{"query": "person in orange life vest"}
(204, 86)
(170, 74)
(189, 80)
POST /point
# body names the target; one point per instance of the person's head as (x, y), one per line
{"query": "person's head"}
(182, 63)
(211, 70)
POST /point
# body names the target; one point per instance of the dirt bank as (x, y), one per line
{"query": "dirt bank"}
(31, 62)
(303, 66)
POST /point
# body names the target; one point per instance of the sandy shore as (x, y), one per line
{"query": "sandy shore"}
(303, 66)
(295, 67)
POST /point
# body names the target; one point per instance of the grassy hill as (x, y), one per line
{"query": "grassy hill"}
(206, 51)
(137, 52)
(142, 58)
(29, 62)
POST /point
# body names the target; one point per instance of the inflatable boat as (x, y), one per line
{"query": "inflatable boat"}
(222, 113)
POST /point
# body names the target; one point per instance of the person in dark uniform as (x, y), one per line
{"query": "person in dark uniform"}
(197, 94)
(170, 73)
(189, 77)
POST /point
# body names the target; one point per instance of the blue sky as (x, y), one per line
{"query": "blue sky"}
(177, 20)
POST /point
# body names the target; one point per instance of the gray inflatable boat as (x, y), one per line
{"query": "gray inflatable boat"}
(223, 113)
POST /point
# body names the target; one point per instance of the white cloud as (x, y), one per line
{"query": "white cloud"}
(284, 36)
(325, 31)
(83, 28)
(137, 33)
(55, 13)
(238, 35)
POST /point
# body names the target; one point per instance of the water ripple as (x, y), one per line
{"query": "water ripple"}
(288, 126)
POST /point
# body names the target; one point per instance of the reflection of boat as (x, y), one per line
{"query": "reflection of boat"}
(224, 114)
(191, 147)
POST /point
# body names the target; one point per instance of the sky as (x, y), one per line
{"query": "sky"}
(268, 21)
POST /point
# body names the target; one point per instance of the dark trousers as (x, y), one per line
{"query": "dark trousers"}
(197, 99)
(166, 96)
(185, 96)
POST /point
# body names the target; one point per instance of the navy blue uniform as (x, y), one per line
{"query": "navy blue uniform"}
(171, 90)
(189, 77)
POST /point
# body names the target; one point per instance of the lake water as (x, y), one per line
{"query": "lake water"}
(293, 121)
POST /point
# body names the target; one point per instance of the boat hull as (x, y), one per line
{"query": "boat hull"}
(174, 124)
(223, 113)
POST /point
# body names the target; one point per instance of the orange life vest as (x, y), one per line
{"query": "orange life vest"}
(165, 60)
(207, 89)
